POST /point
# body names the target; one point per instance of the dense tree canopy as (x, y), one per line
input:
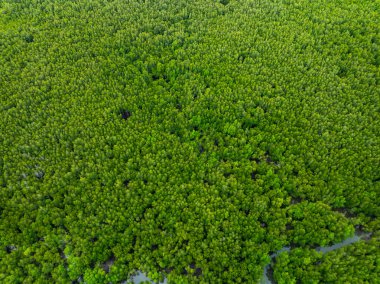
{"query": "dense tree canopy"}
(188, 139)
(356, 263)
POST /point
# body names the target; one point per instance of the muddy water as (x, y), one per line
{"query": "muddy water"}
(140, 277)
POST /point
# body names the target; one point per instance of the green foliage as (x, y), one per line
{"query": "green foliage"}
(185, 138)
(356, 263)
(315, 224)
